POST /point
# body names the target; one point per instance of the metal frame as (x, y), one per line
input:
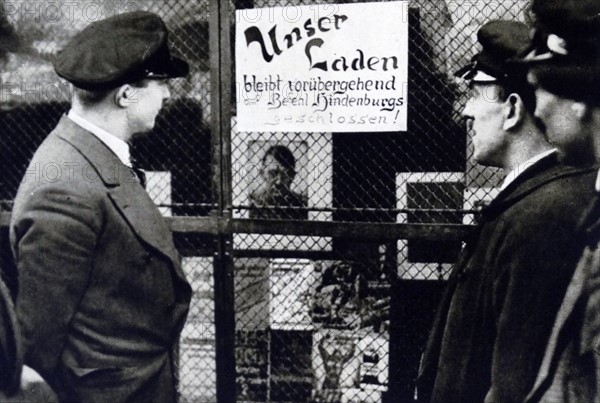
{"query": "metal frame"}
(222, 226)
(221, 76)
(420, 271)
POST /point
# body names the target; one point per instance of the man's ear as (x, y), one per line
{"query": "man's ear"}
(125, 96)
(580, 110)
(514, 113)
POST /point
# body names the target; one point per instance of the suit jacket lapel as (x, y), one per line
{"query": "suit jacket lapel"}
(124, 190)
(143, 217)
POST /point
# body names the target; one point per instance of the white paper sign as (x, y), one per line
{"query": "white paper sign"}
(341, 68)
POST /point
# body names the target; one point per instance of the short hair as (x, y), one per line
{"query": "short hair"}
(525, 90)
(91, 98)
(283, 155)
(568, 80)
(141, 83)
(521, 87)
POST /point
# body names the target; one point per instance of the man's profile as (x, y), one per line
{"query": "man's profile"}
(102, 296)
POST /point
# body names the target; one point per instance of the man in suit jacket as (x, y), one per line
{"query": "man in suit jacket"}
(493, 323)
(565, 68)
(102, 296)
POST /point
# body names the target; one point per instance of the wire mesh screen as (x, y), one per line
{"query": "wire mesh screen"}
(312, 312)
(176, 155)
(34, 98)
(309, 330)
(317, 329)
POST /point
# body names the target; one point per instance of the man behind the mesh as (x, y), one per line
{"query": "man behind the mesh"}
(494, 321)
(102, 296)
(270, 199)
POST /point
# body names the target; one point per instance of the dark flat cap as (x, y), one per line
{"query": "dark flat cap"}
(501, 41)
(568, 17)
(565, 51)
(118, 50)
(565, 29)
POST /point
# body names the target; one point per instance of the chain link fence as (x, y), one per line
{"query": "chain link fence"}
(312, 312)
(316, 329)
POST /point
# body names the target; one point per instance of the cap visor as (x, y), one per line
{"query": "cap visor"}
(463, 71)
(174, 69)
(482, 77)
(533, 57)
(178, 68)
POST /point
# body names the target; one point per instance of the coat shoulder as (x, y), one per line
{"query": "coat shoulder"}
(565, 195)
(58, 164)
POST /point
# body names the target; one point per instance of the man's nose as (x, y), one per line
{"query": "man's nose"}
(539, 106)
(467, 116)
(468, 123)
(466, 112)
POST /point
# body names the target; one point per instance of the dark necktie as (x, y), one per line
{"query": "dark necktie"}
(139, 173)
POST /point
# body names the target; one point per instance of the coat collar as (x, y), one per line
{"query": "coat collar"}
(124, 190)
(546, 170)
(589, 223)
(106, 165)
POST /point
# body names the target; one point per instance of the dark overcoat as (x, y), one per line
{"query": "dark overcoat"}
(102, 295)
(495, 318)
(570, 370)
(10, 340)
(10, 344)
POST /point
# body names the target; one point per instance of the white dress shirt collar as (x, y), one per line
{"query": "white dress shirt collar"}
(115, 144)
(520, 168)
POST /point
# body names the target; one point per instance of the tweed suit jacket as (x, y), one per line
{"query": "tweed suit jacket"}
(494, 321)
(102, 295)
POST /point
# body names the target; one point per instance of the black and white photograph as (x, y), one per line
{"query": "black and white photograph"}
(299, 201)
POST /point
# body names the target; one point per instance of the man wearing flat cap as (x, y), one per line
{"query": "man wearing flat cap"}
(564, 66)
(491, 328)
(102, 296)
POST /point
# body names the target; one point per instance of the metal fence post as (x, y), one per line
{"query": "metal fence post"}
(220, 64)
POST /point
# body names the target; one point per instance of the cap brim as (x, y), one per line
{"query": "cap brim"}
(176, 68)
(179, 67)
(482, 77)
(474, 75)
(532, 57)
(464, 71)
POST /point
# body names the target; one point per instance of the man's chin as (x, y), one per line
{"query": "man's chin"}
(140, 134)
(485, 161)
